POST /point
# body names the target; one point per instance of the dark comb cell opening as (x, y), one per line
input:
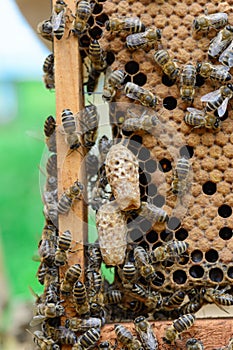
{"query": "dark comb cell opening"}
(84, 41)
(150, 166)
(96, 32)
(166, 235)
(216, 274)
(211, 255)
(98, 8)
(127, 79)
(144, 154)
(110, 57)
(91, 22)
(145, 225)
(158, 201)
(140, 79)
(196, 255)
(101, 19)
(173, 223)
(230, 272)
(137, 140)
(169, 103)
(186, 151)
(224, 211)
(196, 271)
(151, 190)
(152, 236)
(165, 165)
(225, 233)
(181, 234)
(144, 245)
(159, 281)
(199, 80)
(132, 67)
(167, 81)
(209, 187)
(183, 259)
(179, 277)
(224, 117)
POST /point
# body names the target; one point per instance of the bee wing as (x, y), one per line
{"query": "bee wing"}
(229, 52)
(36, 320)
(222, 68)
(222, 109)
(148, 338)
(56, 19)
(196, 111)
(215, 17)
(107, 74)
(211, 96)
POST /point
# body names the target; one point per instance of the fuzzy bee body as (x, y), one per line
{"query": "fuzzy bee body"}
(146, 334)
(214, 72)
(168, 251)
(179, 325)
(88, 339)
(80, 298)
(145, 122)
(67, 198)
(194, 344)
(71, 276)
(144, 40)
(200, 119)
(218, 99)
(70, 129)
(89, 120)
(126, 338)
(143, 264)
(82, 14)
(129, 24)
(114, 81)
(145, 97)
(152, 213)
(169, 67)
(187, 83)
(214, 20)
(226, 56)
(220, 42)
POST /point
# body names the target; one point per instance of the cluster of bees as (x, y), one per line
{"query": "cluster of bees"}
(136, 292)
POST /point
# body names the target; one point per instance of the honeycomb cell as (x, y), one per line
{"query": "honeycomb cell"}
(166, 235)
(140, 79)
(98, 8)
(216, 274)
(173, 223)
(95, 32)
(209, 188)
(211, 255)
(170, 103)
(150, 166)
(224, 211)
(179, 276)
(159, 281)
(132, 67)
(225, 233)
(196, 271)
(196, 255)
(144, 154)
(158, 201)
(181, 234)
(136, 235)
(151, 190)
(167, 82)
(152, 236)
(186, 151)
(230, 272)
(101, 19)
(137, 140)
(165, 165)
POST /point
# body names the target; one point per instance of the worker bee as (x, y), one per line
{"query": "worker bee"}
(87, 340)
(47, 251)
(125, 337)
(64, 335)
(194, 344)
(191, 306)
(58, 18)
(142, 263)
(104, 146)
(89, 120)
(200, 119)
(105, 345)
(82, 14)
(44, 311)
(129, 24)
(219, 297)
(145, 122)
(113, 81)
(51, 165)
(80, 298)
(97, 56)
(144, 40)
(51, 293)
(113, 296)
(71, 276)
(45, 29)
(205, 22)
(50, 134)
(179, 325)
(168, 251)
(94, 257)
(64, 242)
(217, 73)
(128, 274)
(146, 334)
(82, 325)
(168, 65)
(93, 76)
(187, 82)
(180, 175)
(44, 342)
(70, 129)
(218, 99)
(145, 97)
(220, 42)
(48, 65)
(226, 56)
(174, 300)
(74, 192)
(152, 213)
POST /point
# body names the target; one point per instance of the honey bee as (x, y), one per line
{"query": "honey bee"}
(58, 18)
(181, 172)
(92, 81)
(82, 14)
(129, 24)
(219, 297)
(94, 257)
(50, 133)
(152, 213)
(128, 274)
(144, 40)
(88, 120)
(220, 42)
(64, 242)
(146, 334)
(70, 129)
(65, 335)
(142, 262)
(67, 198)
(105, 345)
(200, 119)
(45, 29)
(145, 122)
(168, 65)
(174, 300)
(187, 83)
(114, 81)
(48, 65)
(44, 311)
(82, 325)
(87, 340)
(218, 99)
(49, 81)
(51, 293)
(43, 342)
(179, 325)
(217, 73)
(205, 22)
(194, 344)
(145, 97)
(71, 276)
(113, 296)
(169, 250)
(104, 146)
(47, 251)
(125, 337)
(226, 56)
(51, 165)
(191, 307)
(80, 298)
(97, 56)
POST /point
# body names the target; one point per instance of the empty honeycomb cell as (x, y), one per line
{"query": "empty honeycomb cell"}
(196, 271)
(228, 150)
(211, 255)
(150, 165)
(181, 234)
(170, 103)
(132, 67)
(98, 8)
(144, 154)
(140, 79)
(179, 276)
(158, 200)
(101, 19)
(208, 165)
(216, 175)
(159, 281)
(209, 188)
(225, 233)
(152, 236)
(95, 32)
(166, 235)
(224, 211)
(230, 272)
(151, 190)
(216, 275)
(197, 255)
(221, 138)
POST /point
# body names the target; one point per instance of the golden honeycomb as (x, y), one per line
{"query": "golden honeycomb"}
(204, 219)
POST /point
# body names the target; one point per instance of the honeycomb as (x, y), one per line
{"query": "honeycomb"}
(204, 218)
